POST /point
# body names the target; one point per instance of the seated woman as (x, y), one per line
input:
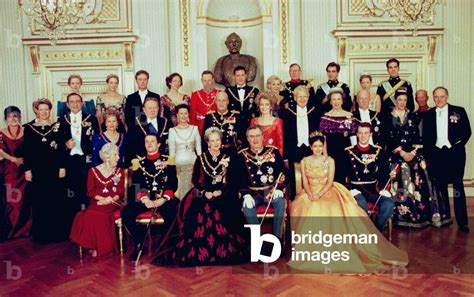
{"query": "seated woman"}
(94, 228)
(207, 230)
(417, 202)
(109, 135)
(328, 206)
(271, 126)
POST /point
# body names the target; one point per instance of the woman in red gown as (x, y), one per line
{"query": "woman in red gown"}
(16, 212)
(271, 126)
(94, 228)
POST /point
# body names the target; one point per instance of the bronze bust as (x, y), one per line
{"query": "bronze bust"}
(224, 69)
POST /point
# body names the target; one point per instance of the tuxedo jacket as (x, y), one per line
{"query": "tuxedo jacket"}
(135, 145)
(290, 129)
(376, 125)
(89, 127)
(459, 128)
(133, 106)
(249, 109)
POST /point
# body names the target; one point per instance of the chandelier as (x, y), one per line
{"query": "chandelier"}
(409, 13)
(54, 17)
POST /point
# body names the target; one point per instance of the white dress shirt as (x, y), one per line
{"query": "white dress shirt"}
(142, 95)
(76, 132)
(442, 127)
(154, 122)
(302, 126)
(241, 95)
(364, 118)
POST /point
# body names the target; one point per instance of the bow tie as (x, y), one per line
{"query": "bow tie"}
(333, 82)
(240, 88)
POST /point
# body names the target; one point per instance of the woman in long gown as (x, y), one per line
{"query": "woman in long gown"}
(94, 228)
(184, 146)
(338, 125)
(328, 206)
(17, 211)
(418, 203)
(44, 162)
(207, 229)
(109, 135)
(272, 127)
(111, 99)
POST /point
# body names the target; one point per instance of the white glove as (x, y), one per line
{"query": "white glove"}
(278, 194)
(385, 193)
(249, 202)
(355, 192)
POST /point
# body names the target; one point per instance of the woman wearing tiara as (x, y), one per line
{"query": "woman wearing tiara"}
(44, 164)
(327, 206)
(207, 229)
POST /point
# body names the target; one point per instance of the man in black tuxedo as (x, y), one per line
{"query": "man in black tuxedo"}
(77, 129)
(147, 123)
(387, 89)
(242, 97)
(299, 123)
(135, 101)
(363, 114)
(446, 130)
(322, 92)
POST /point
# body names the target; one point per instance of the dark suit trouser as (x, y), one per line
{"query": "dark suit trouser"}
(76, 184)
(448, 167)
(133, 209)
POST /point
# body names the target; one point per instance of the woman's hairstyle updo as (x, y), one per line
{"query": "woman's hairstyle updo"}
(12, 109)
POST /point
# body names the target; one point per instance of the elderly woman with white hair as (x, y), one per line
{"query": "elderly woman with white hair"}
(94, 228)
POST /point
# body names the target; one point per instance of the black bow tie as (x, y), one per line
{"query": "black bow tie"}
(240, 88)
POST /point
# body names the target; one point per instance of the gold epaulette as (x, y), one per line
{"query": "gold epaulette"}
(235, 112)
(210, 112)
(349, 148)
(377, 146)
(171, 160)
(272, 146)
(310, 83)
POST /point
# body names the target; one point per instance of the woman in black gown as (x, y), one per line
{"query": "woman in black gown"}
(416, 199)
(207, 230)
(44, 154)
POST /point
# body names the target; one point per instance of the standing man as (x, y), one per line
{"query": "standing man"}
(446, 130)
(147, 123)
(367, 175)
(242, 97)
(386, 90)
(134, 102)
(203, 101)
(77, 129)
(364, 115)
(421, 98)
(227, 121)
(290, 86)
(332, 72)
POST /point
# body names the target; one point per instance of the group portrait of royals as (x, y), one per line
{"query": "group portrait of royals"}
(210, 162)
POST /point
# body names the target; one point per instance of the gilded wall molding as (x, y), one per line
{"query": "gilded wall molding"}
(184, 30)
(284, 30)
(34, 59)
(81, 55)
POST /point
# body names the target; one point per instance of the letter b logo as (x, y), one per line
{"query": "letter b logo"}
(256, 243)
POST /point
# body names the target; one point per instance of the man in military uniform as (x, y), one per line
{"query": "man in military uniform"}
(365, 115)
(262, 169)
(203, 101)
(386, 89)
(290, 86)
(368, 176)
(242, 97)
(154, 183)
(147, 123)
(227, 121)
(332, 72)
(224, 69)
(77, 129)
